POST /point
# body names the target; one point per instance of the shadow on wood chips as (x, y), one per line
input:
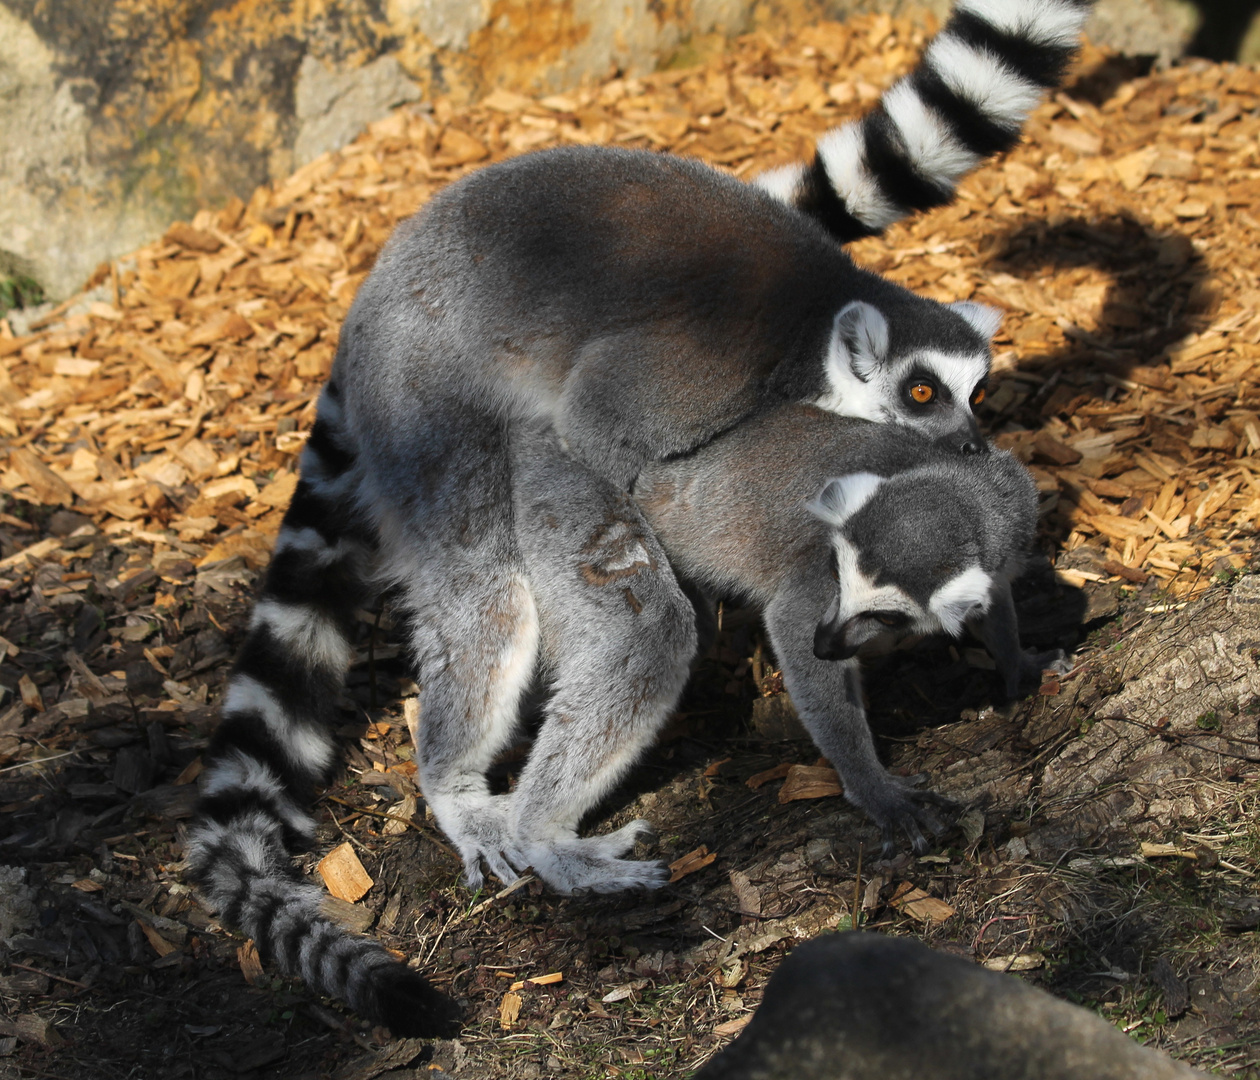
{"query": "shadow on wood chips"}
(1109, 849)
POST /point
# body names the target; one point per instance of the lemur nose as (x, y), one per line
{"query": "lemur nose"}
(973, 446)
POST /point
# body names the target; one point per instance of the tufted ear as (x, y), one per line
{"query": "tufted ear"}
(844, 496)
(962, 596)
(860, 333)
(983, 319)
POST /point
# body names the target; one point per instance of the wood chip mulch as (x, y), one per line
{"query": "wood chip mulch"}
(149, 428)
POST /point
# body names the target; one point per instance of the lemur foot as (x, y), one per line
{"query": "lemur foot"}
(1031, 664)
(571, 864)
(478, 827)
(1055, 660)
(902, 807)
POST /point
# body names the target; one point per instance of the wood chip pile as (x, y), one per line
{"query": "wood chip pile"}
(1120, 240)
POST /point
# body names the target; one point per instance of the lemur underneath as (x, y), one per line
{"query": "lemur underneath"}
(638, 304)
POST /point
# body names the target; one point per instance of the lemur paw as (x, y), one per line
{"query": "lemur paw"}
(572, 865)
(478, 827)
(1031, 665)
(905, 809)
(1055, 660)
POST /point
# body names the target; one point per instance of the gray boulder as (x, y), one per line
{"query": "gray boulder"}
(864, 1006)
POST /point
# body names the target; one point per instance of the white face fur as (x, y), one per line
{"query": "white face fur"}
(865, 608)
(864, 381)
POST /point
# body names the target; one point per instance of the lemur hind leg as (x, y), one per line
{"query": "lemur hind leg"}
(473, 634)
(618, 639)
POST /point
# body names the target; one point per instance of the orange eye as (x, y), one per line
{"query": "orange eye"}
(977, 397)
(921, 393)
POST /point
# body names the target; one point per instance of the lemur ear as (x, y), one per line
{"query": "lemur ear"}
(843, 497)
(861, 331)
(983, 319)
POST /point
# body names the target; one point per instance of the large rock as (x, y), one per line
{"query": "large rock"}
(117, 118)
(1129, 740)
(868, 1007)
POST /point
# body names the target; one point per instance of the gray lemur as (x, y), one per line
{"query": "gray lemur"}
(532, 567)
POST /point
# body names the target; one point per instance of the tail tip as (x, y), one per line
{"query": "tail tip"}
(409, 1006)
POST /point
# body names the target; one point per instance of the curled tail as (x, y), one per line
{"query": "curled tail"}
(275, 742)
(966, 100)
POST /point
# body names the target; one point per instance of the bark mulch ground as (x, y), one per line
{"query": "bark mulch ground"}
(151, 427)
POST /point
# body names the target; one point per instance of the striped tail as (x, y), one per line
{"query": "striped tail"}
(275, 742)
(967, 99)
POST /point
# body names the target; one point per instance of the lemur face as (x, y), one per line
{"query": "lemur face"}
(893, 575)
(930, 389)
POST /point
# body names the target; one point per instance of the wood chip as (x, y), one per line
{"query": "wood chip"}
(400, 813)
(747, 894)
(343, 873)
(919, 904)
(690, 863)
(49, 488)
(222, 326)
(1163, 851)
(31, 697)
(539, 980)
(509, 1009)
(250, 963)
(810, 782)
(1029, 961)
(732, 1027)
(160, 945)
(624, 991)
(777, 773)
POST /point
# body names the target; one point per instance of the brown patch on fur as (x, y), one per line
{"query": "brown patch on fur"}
(632, 601)
(597, 575)
(612, 542)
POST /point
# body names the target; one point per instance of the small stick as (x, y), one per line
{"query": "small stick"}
(393, 817)
(48, 974)
(857, 891)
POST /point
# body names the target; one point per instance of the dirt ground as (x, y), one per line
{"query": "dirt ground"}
(1110, 847)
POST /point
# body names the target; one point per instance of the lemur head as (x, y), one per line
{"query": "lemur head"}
(907, 555)
(923, 364)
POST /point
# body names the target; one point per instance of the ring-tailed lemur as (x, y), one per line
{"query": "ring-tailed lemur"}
(916, 540)
(526, 565)
(640, 304)
(966, 100)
